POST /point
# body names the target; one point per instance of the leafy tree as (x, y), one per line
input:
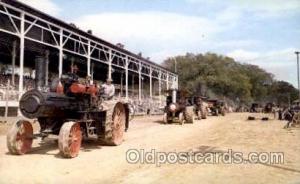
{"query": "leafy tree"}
(218, 76)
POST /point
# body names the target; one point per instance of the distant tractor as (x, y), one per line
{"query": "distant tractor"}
(216, 107)
(269, 107)
(177, 108)
(256, 108)
(200, 106)
(292, 114)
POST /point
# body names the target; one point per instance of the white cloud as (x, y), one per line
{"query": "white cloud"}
(262, 8)
(230, 14)
(282, 63)
(157, 33)
(47, 6)
(270, 6)
(233, 44)
(162, 34)
(242, 55)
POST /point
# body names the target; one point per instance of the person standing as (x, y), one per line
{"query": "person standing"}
(109, 89)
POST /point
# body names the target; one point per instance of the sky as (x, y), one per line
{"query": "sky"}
(260, 32)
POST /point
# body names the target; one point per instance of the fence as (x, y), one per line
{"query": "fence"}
(8, 101)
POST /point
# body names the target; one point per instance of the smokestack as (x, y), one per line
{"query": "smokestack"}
(90, 31)
(40, 71)
(120, 45)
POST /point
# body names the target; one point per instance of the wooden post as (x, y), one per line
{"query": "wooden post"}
(6, 101)
(13, 58)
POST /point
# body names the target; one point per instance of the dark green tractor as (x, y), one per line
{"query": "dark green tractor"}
(177, 108)
(217, 107)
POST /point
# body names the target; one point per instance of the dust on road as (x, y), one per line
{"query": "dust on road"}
(98, 164)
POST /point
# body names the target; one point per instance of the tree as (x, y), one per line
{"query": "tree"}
(222, 77)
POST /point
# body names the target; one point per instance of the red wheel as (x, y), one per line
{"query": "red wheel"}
(69, 141)
(20, 138)
(115, 125)
(118, 126)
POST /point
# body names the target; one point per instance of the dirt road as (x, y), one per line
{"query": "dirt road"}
(99, 164)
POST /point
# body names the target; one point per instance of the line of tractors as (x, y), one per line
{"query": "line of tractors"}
(185, 109)
(74, 110)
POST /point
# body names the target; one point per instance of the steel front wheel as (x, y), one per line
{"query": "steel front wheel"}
(20, 138)
(70, 138)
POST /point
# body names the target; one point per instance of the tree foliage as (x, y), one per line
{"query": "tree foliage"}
(218, 76)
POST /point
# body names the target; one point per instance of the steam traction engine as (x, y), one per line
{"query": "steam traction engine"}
(177, 108)
(200, 107)
(72, 111)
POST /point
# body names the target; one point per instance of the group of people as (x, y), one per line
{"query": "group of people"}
(108, 87)
(28, 81)
(13, 86)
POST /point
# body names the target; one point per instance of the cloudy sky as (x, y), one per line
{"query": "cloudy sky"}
(261, 32)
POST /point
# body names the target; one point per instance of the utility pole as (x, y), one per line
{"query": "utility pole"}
(297, 53)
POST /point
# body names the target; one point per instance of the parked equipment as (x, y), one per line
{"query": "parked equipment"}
(256, 108)
(200, 106)
(177, 108)
(73, 111)
(217, 107)
(292, 114)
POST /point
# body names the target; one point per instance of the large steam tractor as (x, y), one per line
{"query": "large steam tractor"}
(177, 109)
(72, 111)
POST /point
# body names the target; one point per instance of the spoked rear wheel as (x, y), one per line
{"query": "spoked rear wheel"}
(223, 112)
(181, 118)
(165, 118)
(20, 138)
(189, 115)
(115, 125)
(199, 115)
(69, 141)
(296, 119)
(204, 113)
(131, 111)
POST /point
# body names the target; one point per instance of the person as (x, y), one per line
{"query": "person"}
(288, 115)
(70, 78)
(72, 75)
(89, 81)
(109, 89)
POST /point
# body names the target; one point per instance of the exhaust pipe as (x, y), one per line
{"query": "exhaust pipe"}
(174, 96)
(40, 72)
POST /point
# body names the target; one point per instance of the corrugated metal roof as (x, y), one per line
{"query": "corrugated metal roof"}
(61, 23)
